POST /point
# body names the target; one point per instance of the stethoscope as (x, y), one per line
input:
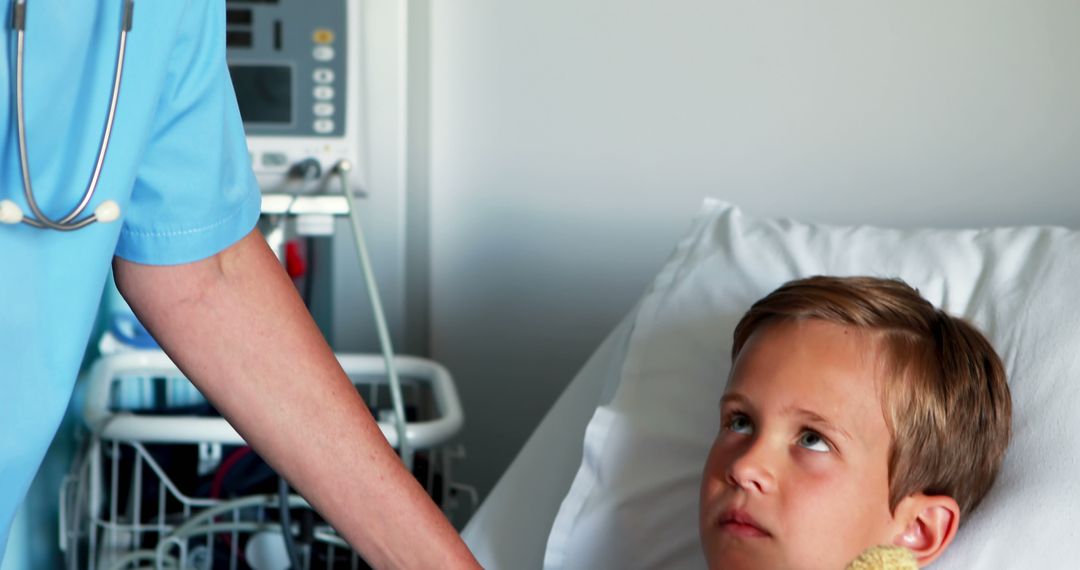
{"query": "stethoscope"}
(107, 211)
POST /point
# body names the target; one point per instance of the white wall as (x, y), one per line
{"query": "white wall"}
(571, 141)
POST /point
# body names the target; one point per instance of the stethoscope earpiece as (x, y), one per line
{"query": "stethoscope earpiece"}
(10, 212)
(107, 211)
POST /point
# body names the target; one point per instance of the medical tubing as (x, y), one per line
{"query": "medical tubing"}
(341, 169)
(129, 7)
(43, 221)
(167, 562)
(286, 524)
(194, 526)
(19, 22)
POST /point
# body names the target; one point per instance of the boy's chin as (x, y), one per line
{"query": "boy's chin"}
(742, 561)
(727, 553)
(723, 552)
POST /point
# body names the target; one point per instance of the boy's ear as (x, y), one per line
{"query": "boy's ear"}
(932, 521)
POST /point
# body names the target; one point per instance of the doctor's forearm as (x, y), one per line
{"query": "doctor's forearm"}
(236, 327)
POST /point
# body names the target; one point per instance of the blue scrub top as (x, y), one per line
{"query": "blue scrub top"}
(177, 165)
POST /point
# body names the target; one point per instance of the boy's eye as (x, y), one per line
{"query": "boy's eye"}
(739, 423)
(813, 441)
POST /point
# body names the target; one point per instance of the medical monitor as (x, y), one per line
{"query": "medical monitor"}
(295, 67)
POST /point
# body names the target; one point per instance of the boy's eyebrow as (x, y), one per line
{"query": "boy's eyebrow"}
(737, 398)
(818, 418)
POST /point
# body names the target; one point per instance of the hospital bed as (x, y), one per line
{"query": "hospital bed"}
(608, 478)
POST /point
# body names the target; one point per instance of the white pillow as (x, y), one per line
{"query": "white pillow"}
(633, 503)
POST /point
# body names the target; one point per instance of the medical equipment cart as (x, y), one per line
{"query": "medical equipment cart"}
(162, 481)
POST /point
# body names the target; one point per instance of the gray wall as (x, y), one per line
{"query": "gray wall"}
(571, 141)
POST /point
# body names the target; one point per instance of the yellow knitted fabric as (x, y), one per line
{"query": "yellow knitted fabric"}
(884, 558)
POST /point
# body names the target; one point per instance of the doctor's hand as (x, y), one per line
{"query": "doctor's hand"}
(234, 324)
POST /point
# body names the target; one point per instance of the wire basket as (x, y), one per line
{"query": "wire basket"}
(163, 481)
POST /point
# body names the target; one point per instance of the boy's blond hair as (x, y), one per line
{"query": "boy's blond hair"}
(948, 411)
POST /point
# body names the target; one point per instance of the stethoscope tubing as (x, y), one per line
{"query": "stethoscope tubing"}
(39, 219)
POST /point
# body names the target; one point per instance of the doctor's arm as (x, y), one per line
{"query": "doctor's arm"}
(236, 327)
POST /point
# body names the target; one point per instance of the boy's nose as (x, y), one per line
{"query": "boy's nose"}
(752, 470)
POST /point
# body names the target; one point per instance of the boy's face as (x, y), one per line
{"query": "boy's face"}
(798, 476)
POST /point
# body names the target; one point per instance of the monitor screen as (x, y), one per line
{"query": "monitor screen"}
(264, 92)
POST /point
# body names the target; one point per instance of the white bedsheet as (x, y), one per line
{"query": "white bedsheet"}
(510, 530)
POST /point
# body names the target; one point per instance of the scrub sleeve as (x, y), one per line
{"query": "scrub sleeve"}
(178, 166)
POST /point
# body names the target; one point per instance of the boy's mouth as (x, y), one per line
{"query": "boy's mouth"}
(739, 523)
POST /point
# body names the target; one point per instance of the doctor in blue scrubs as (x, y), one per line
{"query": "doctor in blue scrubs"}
(176, 177)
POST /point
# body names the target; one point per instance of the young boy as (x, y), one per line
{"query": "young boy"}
(856, 415)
